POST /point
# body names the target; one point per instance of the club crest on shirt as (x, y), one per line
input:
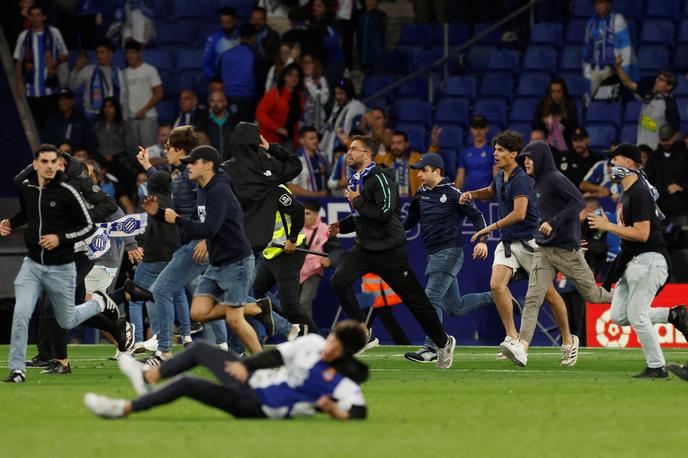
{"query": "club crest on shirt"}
(285, 199)
(443, 199)
(328, 374)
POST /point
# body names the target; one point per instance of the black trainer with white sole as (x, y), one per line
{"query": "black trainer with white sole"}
(110, 308)
(15, 377)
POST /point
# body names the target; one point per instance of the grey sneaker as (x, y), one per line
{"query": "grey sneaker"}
(569, 353)
(445, 355)
(422, 355)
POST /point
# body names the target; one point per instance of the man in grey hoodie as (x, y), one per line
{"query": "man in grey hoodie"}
(558, 238)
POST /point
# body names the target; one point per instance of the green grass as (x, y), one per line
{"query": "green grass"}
(480, 407)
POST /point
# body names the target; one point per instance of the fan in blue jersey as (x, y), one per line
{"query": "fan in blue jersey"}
(297, 378)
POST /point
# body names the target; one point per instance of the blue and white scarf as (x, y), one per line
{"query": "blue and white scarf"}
(356, 182)
(99, 89)
(31, 64)
(99, 243)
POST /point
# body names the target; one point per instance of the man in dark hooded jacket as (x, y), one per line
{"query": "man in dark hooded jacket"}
(558, 238)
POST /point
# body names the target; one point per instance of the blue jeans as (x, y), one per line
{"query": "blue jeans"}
(59, 283)
(443, 287)
(178, 273)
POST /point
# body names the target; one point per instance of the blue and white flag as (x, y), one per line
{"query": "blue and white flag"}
(99, 243)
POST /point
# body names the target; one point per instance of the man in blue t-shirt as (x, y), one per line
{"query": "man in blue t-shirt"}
(517, 224)
(476, 163)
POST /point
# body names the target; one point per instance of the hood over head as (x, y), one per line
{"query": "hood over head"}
(245, 134)
(541, 154)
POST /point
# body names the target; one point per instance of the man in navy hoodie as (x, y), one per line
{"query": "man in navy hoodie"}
(224, 288)
(436, 205)
(558, 238)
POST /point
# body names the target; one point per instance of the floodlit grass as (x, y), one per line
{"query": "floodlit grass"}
(480, 407)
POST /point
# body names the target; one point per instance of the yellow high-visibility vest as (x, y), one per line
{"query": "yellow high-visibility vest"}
(279, 233)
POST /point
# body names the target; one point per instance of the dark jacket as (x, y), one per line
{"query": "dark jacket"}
(255, 175)
(160, 240)
(378, 223)
(75, 128)
(559, 201)
(56, 209)
(220, 136)
(663, 171)
(223, 225)
(184, 195)
(441, 216)
(98, 203)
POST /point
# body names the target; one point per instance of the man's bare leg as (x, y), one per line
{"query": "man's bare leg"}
(502, 298)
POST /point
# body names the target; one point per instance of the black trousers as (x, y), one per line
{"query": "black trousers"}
(394, 268)
(390, 324)
(231, 395)
(284, 271)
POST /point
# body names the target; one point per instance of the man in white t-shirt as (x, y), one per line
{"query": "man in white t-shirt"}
(294, 379)
(144, 91)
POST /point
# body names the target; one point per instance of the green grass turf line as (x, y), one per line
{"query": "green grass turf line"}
(479, 408)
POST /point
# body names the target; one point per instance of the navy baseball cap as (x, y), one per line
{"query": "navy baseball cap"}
(431, 159)
(207, 153)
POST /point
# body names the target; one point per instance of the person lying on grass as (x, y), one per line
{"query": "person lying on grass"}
(296, 378)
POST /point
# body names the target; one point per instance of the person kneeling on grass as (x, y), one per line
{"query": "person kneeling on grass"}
(296, 378)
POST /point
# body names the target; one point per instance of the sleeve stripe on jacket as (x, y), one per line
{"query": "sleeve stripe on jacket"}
(82, 203)
(387, 205)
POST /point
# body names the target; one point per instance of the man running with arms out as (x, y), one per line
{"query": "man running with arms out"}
(380, 245)
(558, 238)
(294, 379)
(436, 205)
(517, 224)
(642, 267)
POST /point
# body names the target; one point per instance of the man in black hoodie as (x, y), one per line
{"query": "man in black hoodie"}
(558, 238)
(57, 218)
(381, 245)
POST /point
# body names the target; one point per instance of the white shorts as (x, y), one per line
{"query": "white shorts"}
(99, 279)
(520, 256)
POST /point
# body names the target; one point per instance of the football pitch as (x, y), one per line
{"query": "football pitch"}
(480, 407)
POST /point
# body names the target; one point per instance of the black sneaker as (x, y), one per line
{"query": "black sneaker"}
(125, 335)
(265, 316)
(15, 377)
(678, 316)
(136, 292)
(37, 362)
(652, 373)
(423, 355)
(679, 370)
(196, 327)
(58, 369)
(109, 307)
(153, 360)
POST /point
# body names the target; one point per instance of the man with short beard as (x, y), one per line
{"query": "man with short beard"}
(224, 38)
(219, 124)
(400, 160)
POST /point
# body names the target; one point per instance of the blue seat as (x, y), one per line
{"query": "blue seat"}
(414, 110)
(189, 59)
(575, 31)
(375, 83)
(540, 58)
(417, 87)
(449, 156)
(681, 89)
(571, 58)
(583, 8)
(653, 58)
(497, 84)
(503, 59)
(167, 111)
(396, 62)
(451, 137)
(532, 84)
(461, 86)
(683, 31)
(632, 111)
(523, 127)
(427, 57)
(604, 112)
(663, 8)
(194, 81)
(198, 9)
(416, 34)
(243, 7)
(159, 58)
(683, 108)
(452, 110)
(478, 57)
(493, 37)
(657, 31)
(523, 109)
(629, 132)
(176, 33)
(458, 34)
(601, 135)
(575, 83)
(493, 108)
(681, 58)
(546, 33)
(416, 134)
(631, 9)
(159, 9)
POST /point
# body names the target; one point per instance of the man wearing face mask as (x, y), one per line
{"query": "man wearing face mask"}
(643, 266)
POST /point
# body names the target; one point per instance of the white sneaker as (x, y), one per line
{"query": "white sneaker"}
(569, 353)
(500, 356)
(133, 370)
(151, 344)
(293, 332)
(104, 407)
(445, 355)
(187, 340)
(223, 346)
(515, 352)
(372, 343)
